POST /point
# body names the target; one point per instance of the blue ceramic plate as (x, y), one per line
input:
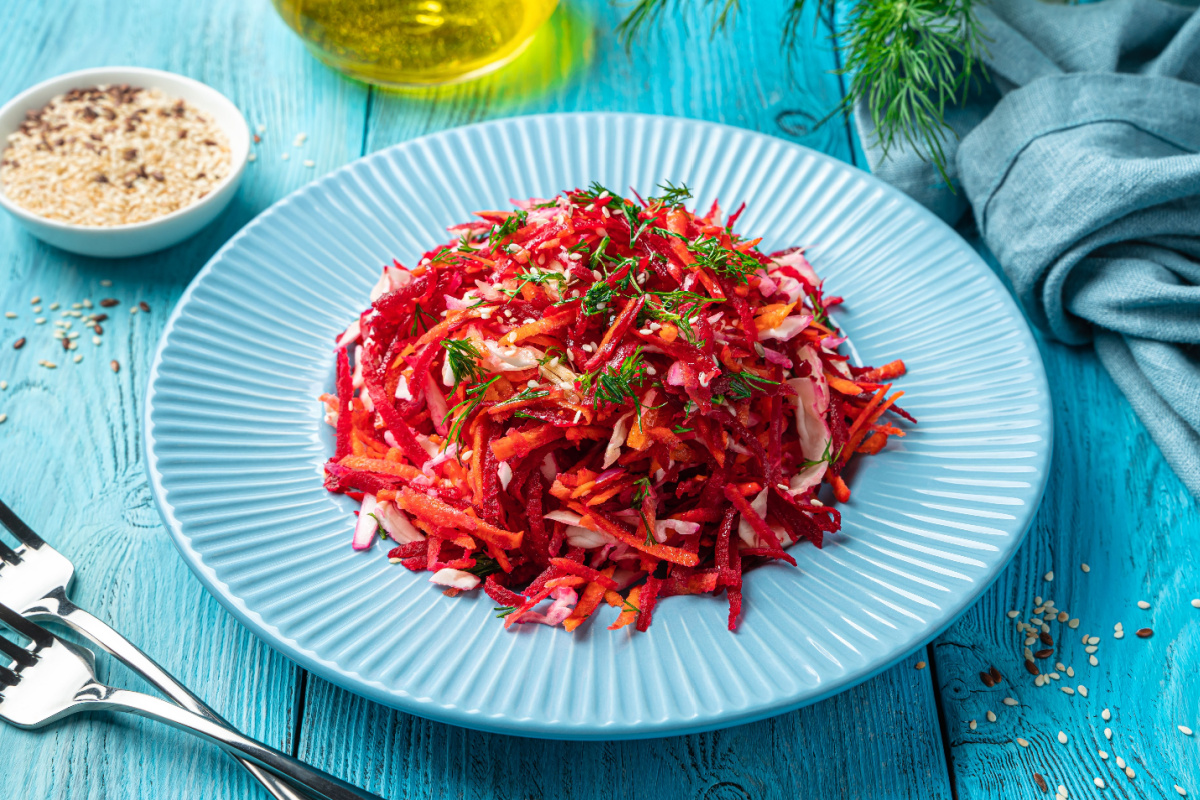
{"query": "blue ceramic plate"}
(235, 440)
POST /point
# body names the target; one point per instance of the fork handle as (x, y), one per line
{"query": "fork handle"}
(321, 783)
(99, 632)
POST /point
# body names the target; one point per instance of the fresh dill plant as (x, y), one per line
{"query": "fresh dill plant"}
(908, 59)
(463, 357)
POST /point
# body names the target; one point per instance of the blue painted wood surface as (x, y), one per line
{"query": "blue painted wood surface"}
(72, 465)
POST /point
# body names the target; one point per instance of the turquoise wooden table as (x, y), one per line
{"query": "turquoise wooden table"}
(72, 464)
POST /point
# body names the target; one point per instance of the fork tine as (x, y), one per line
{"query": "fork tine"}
(8, 554)
(30, 630)
(19, 529)
(19, 654)
(8, 677)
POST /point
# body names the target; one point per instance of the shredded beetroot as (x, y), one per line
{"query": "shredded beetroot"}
(593, 402)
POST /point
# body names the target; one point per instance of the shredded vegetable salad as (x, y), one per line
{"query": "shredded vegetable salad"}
(593, 400)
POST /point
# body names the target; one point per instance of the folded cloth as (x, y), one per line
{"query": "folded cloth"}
(1080, 160)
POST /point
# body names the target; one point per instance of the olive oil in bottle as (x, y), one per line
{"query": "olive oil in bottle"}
(415, 42)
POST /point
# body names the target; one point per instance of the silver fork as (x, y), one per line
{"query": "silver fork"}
(34, 580)
(52, 679)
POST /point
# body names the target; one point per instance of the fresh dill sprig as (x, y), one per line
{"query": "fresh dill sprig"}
(672, 195)
(642, 489)
(504, 611)
(464, 409)
(463, 357)
(484, 566)
(908, 59)
(646, 12)
(744, 384)
(596, 298)
(419, 315)
(515, 222)
(722, 260)
(678, 308)
(820, 315)
(826, 458)
(615, 384)
(598, 255)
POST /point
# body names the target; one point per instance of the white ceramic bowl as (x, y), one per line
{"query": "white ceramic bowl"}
(116, 241)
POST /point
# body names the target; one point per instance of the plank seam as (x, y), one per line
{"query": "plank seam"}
(943, 727)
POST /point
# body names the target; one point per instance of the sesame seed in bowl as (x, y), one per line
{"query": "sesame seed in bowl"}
(119, 161)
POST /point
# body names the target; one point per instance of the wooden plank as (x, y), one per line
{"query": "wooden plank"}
(72, 444)
(877, 740)
(889, 724)
(739, 77)
(1114, 504)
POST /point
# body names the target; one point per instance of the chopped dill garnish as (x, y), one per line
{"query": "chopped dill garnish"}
(504, 611)
(463, 357)
(672, 195)
(679, 430)
(642, 488)
(744, 384)
(615, 385)
(514, 223)
(595, 299)
(826, 458)
(820, 315)
(598, 254)
(724, 261)
(484, 566)
(419, 315)
(383, 534)
(462, 410)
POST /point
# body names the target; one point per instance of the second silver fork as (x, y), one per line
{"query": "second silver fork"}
(34, 581)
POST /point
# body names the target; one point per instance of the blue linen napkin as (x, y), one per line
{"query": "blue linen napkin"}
(1080, 160)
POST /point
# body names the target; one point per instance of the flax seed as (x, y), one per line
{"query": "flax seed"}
(987, 680)
(144, 306)
(19, 343)
(1043, 653)
(1047, 639)
(1041, 782)
(1145, 633)
(116, 366)
(109, 302)
(1031, 668)
(995, 673)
